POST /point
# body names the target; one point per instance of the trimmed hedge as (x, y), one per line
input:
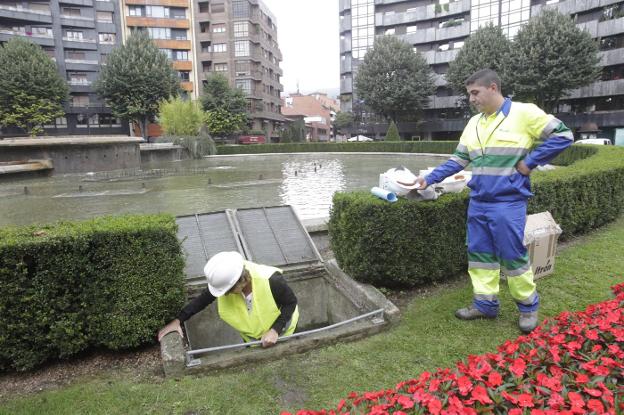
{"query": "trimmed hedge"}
(438, 147)
(408, 243)
(109, 282)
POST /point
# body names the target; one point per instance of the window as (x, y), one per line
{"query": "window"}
(94, 121)
(389, 31)
(73, 35)
(204, 27)
(411, 29)
(218, 28)
(41, 31)
(241, 48)
(107, 120)
(107, 38)
(61, 122)
(180, 55)
(243, 68)
(241, 8)
(80, 101)
(178, 34)
(203, 7)
(136, 11)
(241, 29)
(219, 47)
(70, 11)
(78, 78)
(157, 11)
(75, 55)
(217, 7)
(159, 32)
(244, 85)
(105, 17)
(184, 75)
(220, 67)
(167, 52)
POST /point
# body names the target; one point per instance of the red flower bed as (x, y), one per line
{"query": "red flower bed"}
(572, 364)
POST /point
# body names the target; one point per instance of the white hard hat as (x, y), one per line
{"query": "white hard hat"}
(223, 270)
(400, 180)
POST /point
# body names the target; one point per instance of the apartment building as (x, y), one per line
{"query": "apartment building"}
(238, 39)
(438, 29)
(317, 110)
(78, 35)
(169, 25)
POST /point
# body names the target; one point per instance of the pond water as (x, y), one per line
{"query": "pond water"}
(306, 181)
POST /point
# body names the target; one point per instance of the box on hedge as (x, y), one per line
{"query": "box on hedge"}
(540, 237)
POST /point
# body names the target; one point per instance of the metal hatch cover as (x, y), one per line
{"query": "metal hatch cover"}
(269, 235)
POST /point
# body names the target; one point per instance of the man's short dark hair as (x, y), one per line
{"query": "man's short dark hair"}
(484, 77)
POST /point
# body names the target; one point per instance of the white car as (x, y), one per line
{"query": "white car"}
(599, 141)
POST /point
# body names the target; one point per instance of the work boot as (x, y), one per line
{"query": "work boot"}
(471, 313)
(527, 322)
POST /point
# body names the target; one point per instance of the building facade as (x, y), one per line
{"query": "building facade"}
(438, 30)
(317, 110)
(78, 35)
(238, 39)
(169, 25)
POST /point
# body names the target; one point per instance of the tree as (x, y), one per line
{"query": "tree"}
(32, 91)
(179, 117)
(487, 48)
(294, 133)
(551, 57)
(136, 78)
(226, 107)
(393, 80)
(344, 121)
(393, 133)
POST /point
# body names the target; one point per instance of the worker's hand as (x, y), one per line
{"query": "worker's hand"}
(173, 326)
(422, 183)
(269, 338)
(522, 168)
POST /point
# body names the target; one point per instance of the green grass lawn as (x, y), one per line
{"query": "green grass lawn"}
(429, 336)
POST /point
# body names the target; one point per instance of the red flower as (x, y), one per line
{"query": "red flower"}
(582, 378)
(464, 385)
(434, 406)
(494, 379)
(509, 397)
(518, 367)
(555, 401)
(525, 400)
(593, 392)
(479, 393)
(405, 402)
(596, 406)
(515, 411)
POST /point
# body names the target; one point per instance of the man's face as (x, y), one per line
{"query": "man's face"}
(483, 98)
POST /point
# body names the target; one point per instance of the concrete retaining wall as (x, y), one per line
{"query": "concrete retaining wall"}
(76, 154)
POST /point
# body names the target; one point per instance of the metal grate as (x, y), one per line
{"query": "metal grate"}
(271, 236)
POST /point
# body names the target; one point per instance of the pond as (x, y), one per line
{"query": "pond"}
(305, 181)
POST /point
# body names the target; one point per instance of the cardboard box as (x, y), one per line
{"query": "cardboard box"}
(540, 237)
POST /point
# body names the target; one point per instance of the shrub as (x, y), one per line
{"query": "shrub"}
(180, 117)
(439, 147)
(109, 282)
(409, 243)
(198, 146)
(393, 133)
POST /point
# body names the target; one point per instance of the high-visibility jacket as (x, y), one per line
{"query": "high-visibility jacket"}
(493, 146)
(252, 325)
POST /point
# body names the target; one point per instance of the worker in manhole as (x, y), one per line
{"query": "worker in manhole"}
(498, 143)
(252, 298)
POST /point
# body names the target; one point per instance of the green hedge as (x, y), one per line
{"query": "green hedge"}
(408, 243)
(438, 147)
(109, 282)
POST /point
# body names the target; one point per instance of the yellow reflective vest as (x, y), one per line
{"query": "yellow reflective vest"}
(252, 325)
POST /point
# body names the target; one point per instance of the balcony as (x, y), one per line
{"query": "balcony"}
(81, 64)
(23, 13)
(443, 102)
(345, 44)
(73, 43)
(157, 22)
(78, 21)
(612, 57)
(599, 89)
(437, 34)
(605, 28)
(344, 5)
(187, 86)
(439, 80)
(573, 6)
(437, 57)
(422, 13)
(39, 39)
(346, 85)
(173, 44)
(88, 3)
(345, 65)
(183, 65)
(345, 23)
(174, 3)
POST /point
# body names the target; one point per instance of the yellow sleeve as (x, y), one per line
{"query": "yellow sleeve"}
(536, 120)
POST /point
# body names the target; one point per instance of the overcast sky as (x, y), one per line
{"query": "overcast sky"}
(307, 34)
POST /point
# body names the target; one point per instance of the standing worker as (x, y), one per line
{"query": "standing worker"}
(254, 299)
(497, 143)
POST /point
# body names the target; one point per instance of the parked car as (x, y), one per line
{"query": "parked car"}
(599, 141)
(251, 139)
